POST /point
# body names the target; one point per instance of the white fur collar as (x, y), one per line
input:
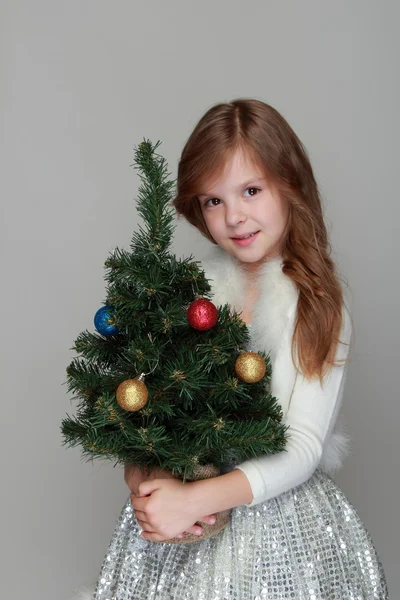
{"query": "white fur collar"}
(270, 330)
(277, 299)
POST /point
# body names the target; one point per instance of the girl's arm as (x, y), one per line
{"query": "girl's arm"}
(166, 507)
(223, 492)
(311, 416)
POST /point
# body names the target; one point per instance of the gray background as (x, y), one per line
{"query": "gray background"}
(81, 84)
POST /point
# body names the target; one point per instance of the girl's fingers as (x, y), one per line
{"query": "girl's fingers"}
(145, 526)
(148, 529)
(139, 514)
(138, 503)
(195, 530)
(209, 519)
(152, 536)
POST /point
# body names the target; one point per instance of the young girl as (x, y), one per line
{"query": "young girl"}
(246, 183)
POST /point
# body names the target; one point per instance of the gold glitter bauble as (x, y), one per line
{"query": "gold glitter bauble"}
(250, 367)
(132, 394)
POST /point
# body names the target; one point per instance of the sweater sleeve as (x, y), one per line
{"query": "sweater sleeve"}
(311, 416)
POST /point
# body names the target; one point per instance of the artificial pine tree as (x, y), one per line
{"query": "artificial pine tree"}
(154, 389)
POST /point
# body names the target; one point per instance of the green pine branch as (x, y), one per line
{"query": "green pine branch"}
(198, 410)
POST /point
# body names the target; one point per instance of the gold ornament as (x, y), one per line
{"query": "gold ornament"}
(250, 367)
(132, 394)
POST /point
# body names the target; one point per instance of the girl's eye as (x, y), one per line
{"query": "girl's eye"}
(217, 201)
(253, 188)
(212, 202)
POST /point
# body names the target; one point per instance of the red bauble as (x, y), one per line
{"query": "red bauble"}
(202, 314)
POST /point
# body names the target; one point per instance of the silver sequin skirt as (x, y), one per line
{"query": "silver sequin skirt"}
(308, 543)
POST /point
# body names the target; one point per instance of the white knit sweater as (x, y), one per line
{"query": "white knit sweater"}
(310, 410)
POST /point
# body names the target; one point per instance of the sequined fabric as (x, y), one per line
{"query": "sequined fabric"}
(306, 544)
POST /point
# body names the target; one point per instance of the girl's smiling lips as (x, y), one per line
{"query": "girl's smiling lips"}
(245, 239)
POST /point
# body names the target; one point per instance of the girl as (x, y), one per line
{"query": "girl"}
(245, 181)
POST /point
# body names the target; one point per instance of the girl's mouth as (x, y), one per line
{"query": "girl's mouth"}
(246, 239)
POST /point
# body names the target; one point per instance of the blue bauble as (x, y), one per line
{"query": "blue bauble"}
(102, 321)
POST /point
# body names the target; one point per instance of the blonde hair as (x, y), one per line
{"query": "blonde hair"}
(266, 137)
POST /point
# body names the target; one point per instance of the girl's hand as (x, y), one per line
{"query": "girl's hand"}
(134, 477)
(165, 508)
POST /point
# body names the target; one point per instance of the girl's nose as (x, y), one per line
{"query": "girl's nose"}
(234, 215)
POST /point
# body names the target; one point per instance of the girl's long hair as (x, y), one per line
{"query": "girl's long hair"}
(266, 137)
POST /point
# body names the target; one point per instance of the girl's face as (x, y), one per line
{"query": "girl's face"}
(244, 213)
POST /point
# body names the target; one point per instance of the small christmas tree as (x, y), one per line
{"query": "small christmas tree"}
(165, 381)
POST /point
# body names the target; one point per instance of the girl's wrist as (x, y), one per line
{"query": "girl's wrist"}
(209, 496)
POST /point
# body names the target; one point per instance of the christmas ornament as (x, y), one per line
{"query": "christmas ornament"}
(132, 394)
(202, 314)
(104, 321)
(250, 367)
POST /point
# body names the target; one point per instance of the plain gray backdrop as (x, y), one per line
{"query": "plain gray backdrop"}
(82, 82)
